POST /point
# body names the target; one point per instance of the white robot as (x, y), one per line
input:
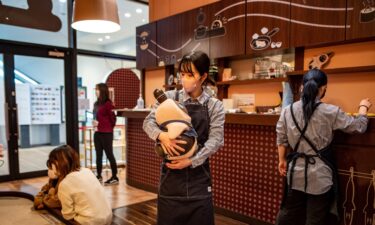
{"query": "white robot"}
(173, 118)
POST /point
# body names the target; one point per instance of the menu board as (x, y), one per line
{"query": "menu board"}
(45, 104)
(23, 99)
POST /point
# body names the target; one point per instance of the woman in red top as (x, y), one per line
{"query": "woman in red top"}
(104, 121)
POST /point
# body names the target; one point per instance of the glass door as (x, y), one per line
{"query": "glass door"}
(40, 100)
(34, 84)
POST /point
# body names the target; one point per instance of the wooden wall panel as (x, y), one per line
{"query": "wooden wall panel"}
(317, 21)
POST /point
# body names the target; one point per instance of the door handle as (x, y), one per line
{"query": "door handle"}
(6, 111)
(15, 110)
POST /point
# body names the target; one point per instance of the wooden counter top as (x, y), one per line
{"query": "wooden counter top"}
(128, 113)
(233, 118)
(251, 119)
(246, 166)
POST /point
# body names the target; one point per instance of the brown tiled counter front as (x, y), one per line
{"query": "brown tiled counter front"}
(246, 183)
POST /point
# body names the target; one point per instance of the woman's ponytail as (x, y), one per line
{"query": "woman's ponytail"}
(312, 81)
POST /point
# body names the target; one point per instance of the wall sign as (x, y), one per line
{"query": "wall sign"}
(45, 104)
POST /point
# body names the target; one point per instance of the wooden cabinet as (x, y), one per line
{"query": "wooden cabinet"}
(145, 49)
(267, 25)
(195, 24)
(169, 40)
(317, 21)
(360, 19)
(226, 28)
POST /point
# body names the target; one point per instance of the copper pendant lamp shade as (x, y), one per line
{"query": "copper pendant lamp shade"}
(96, 16)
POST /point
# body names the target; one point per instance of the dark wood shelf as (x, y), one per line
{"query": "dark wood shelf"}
(251, 81)
(337, 70)
(173, 86)
(137, 114)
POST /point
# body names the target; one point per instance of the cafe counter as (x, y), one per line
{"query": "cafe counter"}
(246, 182)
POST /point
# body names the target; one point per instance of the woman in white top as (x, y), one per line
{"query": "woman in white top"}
(82, 197)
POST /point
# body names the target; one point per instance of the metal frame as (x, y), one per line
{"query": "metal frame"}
(9, 49)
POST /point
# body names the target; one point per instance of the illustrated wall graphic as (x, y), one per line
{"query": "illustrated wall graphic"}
(37, 16)
(217, 28)
(367, 14)
(349, 205)
(259, 41)
(144, 42)
(288, 19)
(304, 5)
(264, 40)
(365, 216)
(369, 209)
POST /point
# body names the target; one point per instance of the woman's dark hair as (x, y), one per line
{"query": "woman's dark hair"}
(200, 60)
(312, 81)
(65, 159)
(103, 94)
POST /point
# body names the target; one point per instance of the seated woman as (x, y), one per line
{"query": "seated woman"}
(82, 197)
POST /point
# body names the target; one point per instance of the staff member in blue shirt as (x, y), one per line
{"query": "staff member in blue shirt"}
(307, 127)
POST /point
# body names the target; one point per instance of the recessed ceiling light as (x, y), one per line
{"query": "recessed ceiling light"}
(107, 37)
(127, 15)
(100, 39)
(144, 20)
(138, 10)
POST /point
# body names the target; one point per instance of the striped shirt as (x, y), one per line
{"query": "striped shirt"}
(216, 132)
(326, 119)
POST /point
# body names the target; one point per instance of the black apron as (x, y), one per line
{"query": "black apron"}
(324, 154)
(185, 196)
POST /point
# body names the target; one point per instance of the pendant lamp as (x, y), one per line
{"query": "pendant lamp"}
(96, 16)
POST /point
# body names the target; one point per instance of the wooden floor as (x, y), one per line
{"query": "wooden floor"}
(144, 213)
(118, 195)
(131, 205)
(34, 158)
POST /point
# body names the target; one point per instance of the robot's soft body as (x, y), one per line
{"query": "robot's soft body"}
(174, 119)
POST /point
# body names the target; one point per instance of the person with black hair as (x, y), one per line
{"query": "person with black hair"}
(306, 128)
(185, 189)
(104, 122)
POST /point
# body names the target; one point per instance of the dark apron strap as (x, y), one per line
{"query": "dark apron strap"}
(309, 159)
(316, 150)
(324, 155)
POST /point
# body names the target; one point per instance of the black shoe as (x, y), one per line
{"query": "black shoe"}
(112, 181)
(100, 178)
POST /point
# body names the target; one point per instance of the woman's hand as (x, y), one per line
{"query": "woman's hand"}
(282, 167)
(95, 123)
(170, 145)
(364, 106)
(179, 164)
